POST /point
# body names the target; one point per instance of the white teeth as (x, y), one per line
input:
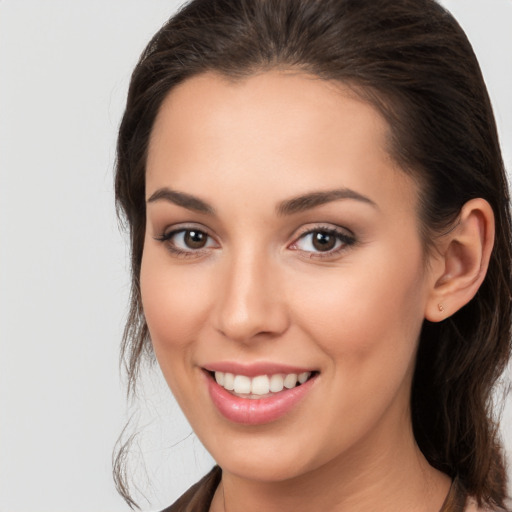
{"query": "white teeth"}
(229, 381)
(276, 383)
(290, 380)
(303, 377)
(242, 384)
(262, 384)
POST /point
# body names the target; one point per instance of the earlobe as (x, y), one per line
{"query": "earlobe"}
(463, 260)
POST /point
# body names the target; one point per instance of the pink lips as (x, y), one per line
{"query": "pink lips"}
(261, 410)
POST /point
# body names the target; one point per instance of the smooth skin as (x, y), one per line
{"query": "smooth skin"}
(248, 283)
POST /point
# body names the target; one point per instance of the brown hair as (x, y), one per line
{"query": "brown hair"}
(412, 61)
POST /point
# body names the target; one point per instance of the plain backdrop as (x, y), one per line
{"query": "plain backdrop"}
(64, 71)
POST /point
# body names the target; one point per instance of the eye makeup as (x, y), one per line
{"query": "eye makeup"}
(318, 242)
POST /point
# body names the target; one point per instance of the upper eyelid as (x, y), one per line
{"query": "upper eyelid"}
(338, 234)
(338, 231)
(298, 233)
(333, 228)
(176, 228)
(167, 235)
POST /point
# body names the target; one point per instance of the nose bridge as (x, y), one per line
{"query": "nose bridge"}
(249, 302)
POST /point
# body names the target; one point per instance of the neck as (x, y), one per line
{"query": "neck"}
(389, 476)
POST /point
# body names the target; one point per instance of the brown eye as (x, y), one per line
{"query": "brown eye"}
(187, 241)
(323, 241)
(195, 239)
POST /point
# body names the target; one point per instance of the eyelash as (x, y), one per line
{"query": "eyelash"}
(341, 236)
(345, 240)
(176, 251)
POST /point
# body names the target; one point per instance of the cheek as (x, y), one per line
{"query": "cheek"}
(366, 310)
(173, 300)
(367, 323)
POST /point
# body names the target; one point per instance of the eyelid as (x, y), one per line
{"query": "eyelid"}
(345, 235)
(342, 234)
(172, 231)
(323, 226)
(168, 231)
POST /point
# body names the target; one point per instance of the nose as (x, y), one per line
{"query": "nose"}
(251, 300)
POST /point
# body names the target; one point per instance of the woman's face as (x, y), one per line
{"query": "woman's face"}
(282, 243)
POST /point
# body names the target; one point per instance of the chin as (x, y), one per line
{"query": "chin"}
(266, 458)
(265, 468)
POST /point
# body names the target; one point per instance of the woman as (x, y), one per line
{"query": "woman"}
(321, 254)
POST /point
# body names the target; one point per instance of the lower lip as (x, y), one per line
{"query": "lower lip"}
(256, 411)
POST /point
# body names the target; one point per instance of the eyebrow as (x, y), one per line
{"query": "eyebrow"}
(288, 207)
(181, 199)
(312, 200)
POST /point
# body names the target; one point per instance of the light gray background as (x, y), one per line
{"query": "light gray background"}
(64, 70)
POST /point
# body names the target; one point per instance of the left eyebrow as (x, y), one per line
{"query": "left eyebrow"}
(312, 200)
(181, 199)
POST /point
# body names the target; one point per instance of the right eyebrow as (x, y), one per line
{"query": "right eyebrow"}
(313, 199)
(181, 199)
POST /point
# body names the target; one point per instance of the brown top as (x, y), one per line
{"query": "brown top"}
(199, 497)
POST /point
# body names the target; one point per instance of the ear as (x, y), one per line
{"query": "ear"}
(461, 264)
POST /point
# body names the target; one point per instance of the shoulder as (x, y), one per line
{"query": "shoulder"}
(199, 497)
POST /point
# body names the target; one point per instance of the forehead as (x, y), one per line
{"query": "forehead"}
(293, 103)
(278, 127)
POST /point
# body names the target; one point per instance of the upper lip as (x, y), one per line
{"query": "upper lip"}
(254, 369)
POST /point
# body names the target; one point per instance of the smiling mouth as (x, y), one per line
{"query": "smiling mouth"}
(261, 386)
